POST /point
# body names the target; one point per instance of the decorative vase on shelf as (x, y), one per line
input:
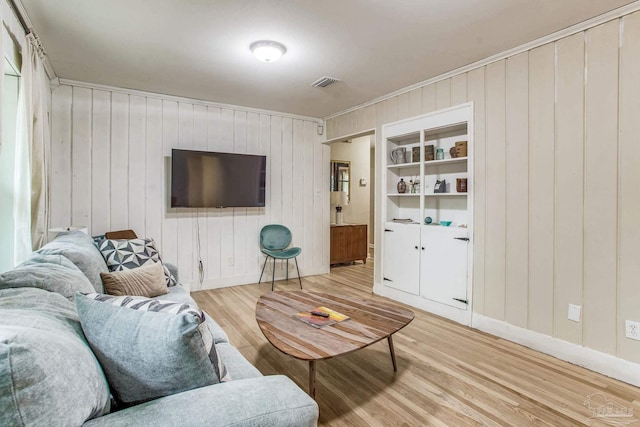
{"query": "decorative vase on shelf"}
(402, 186)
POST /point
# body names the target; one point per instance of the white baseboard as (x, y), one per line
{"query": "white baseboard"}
(226, 282)
(603, 363)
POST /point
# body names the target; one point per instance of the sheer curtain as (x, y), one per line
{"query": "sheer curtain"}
(32, 144)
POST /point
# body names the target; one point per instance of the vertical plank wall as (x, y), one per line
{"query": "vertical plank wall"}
(110, 158)
(556, 182)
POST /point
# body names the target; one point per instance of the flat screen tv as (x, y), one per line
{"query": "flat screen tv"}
(206, 179)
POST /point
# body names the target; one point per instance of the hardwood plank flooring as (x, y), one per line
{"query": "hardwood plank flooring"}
(448, 374)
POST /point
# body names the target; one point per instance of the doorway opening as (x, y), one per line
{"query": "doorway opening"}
(352, 199)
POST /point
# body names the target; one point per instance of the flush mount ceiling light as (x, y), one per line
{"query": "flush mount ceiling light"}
(267, 50)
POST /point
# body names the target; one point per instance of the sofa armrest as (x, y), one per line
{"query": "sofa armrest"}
(173, 270)
(273, 400)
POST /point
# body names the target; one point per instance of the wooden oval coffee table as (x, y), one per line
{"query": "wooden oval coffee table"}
(370, 321)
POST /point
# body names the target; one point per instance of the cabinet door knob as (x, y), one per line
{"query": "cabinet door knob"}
(416, 247)
(423, 248)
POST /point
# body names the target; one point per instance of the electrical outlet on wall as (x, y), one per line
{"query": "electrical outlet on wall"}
(632, 330)
(574, 312)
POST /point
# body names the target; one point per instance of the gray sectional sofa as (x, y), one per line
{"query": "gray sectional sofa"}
(50, 376)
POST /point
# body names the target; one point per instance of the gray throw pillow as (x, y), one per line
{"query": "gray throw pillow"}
(145, 281)
(48, 374)
(53, 273)
(78, 247)
(127, 254)
(149, 348)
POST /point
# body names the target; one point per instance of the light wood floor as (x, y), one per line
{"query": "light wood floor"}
(448, 374)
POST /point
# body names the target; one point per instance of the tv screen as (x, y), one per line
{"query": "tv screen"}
(205, 179)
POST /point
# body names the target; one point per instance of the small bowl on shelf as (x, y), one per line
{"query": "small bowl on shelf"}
(445, 223)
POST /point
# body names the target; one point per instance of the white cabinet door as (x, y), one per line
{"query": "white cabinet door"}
(443, 274)
(401, 258)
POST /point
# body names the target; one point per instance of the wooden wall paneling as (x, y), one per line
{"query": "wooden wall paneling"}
(341, 124)
(357, 123)
(265, 149)
(308, 242)
(476, 94)
(61, 157)
(323, 229)
(495, 192)
(569, 194)
(320, 203)
(404, 105)
(629, 190)
(287, 172)
(213, 263)
(119, 148)
(443, 94)
(81, 158)
(391, 110)
(415, 103)
(227, 232)
(252, 239)
(276, 169)
(600, 201)
(330, 128)
(459, 89)
(517, 191)
(100, 162)
(541, 185)
(240, 214)
(184, 216)
(154, 175)
(428, 98)
(369, 117)
(170, 139)
(297, 172)
(354, 117)
(201, 220)
(137, 182)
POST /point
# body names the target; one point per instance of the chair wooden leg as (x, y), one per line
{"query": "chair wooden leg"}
(299, 279)
(273, 274)
(263, 266)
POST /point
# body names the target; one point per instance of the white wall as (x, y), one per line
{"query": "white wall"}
(110, 151)
(556, 181)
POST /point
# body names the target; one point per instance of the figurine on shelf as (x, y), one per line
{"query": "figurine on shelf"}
(440, 187)
(402, 186)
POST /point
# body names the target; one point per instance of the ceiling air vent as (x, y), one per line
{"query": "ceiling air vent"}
(324, 81)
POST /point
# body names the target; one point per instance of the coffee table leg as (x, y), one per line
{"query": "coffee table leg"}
(393, 354)
(312, 378)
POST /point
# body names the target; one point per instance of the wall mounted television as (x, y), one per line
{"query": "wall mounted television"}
(207, 179)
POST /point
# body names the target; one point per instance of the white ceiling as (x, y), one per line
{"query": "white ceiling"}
(200, 48)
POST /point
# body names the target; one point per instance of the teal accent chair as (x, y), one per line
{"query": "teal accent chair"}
(274, 243)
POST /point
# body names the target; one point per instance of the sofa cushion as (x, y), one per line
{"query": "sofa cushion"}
(146, 281)
(133, 253)
(79, 249)
(239, 368)
(48, 372)
(148, 348)
(53, 273)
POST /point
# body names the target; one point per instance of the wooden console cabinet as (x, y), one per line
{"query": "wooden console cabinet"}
(348, 243)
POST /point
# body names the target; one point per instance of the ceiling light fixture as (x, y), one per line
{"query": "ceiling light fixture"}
(267, 50)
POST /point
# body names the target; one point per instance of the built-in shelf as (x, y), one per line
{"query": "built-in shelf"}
(443, 194)
(445, 161)
(404, 165)
(403, 194)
